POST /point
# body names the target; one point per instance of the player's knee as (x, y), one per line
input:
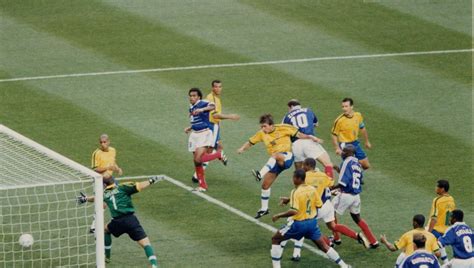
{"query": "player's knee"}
(355, 218)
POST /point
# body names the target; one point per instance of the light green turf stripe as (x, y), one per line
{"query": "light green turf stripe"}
(387, 87)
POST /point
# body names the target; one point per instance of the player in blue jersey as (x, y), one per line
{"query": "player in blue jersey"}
(420, 258)
(201, 137)
(350, 187)
(305, 120)
(459, 236)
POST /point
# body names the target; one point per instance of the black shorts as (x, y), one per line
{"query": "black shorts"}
(127, 224)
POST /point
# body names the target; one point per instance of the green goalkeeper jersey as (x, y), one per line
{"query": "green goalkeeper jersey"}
(119, 200)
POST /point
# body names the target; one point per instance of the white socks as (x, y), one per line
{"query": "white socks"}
(444, 256)
(333, 255)
(269, 165)
(276, 253)
(265, 198)
(298, 246)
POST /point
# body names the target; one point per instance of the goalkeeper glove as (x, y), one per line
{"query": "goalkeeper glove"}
(82, 198)
(154, 179)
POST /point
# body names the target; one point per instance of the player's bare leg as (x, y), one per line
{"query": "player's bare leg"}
(365, 163)
(146, 245)
(298, 165)
(325, 160)
(366, 230)
(199, 168)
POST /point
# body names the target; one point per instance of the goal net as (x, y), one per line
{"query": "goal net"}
(38, 190)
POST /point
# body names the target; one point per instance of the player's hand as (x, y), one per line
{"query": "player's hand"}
(240, 150)
(234, 117)
(275, 218)
(119, 171)
(383, 238)
(368, 145)
(82, 198)
(154, 179)
(284, 201)
(197, 111)
(317, 140)
(187, 130)
(338, 151)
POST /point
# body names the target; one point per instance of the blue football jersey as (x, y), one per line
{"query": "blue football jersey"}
(200, 121)
(421, 259)
(302, 118)
(350, 175)
(460, 237)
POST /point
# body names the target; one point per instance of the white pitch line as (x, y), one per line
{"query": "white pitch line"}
(230, 65)
(222, 205)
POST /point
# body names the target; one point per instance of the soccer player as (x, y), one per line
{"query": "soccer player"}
(103, 158)
(322, 182)
(215, 118)
(350, 176)
(277, 139)
(420, 258)
(460, 237)
(104, 162)
(346, 131)
(201, 138)
(405, 243)
(305, 120)
(441, 209)
(304, 202)
(118, 199)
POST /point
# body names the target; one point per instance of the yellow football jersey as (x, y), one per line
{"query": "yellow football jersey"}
(319, 180)
(101, 159)
(277, 141)
(305, 201)
(441, 210)
(217, 102)
(405, 242)
(347, 128)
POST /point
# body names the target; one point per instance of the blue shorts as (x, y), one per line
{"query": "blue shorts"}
(436, 233)
(289, 158)
(216, 133)
(359, 154)
(298, 229)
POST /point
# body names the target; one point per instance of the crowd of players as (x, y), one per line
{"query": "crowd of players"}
(294, 142)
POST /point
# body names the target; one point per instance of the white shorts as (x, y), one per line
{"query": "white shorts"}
(304, 148)
(326, 212)
(344, 201)
(455, 263)
(199, 139)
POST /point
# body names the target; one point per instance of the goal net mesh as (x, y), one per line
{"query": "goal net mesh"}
(38, 197)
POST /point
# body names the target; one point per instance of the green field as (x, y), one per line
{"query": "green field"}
(418, 108)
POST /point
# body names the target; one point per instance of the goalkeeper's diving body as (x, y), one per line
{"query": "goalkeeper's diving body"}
(118, 199)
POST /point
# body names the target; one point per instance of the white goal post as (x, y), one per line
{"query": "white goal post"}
(38, 189)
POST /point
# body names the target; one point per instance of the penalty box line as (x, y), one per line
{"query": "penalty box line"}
(222, 205)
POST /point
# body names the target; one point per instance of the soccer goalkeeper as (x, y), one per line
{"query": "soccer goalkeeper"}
(118, 199)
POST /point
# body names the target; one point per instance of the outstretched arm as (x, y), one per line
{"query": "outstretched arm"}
(244, 147)
(300, 135)
(234, 117)
(144, 184)
(389, 245)
(285, 214)
(336, 145)
(208, 108)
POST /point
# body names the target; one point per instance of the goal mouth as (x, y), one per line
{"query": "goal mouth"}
(38, 189)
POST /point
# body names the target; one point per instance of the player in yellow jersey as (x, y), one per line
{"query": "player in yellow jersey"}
(104, 158)
(405, 243)
(322, 182)
(346, 131)
(441, 209)
(304, 202)
(277, 139)
(104, 162)
(215, 118)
